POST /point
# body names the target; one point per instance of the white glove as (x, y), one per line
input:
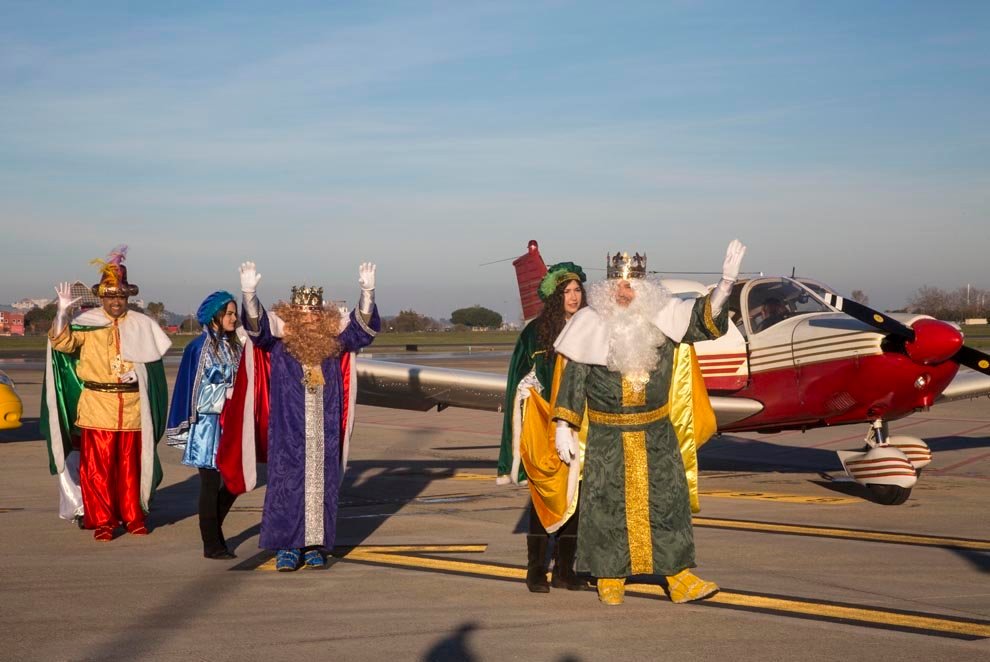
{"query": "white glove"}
(528, 382)
(733, 260)
(366, 276)
(249, 277)
(567, 448)
(366, 279)
(65, 301)
(128, 377)
(249, 282)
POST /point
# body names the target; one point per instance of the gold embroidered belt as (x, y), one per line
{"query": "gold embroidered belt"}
(639, 418)
(111, 387)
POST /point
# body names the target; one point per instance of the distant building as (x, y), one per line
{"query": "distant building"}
(11, 323)
(28, 304)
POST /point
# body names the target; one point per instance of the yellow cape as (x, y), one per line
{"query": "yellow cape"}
(691, 414)
(552, 484)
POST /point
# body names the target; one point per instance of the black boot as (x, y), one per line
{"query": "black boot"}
(213, 548)
(563, 569)
(536, 570)
(224, 502)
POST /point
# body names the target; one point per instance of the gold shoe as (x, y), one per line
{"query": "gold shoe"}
(685, 586)
(611, 590)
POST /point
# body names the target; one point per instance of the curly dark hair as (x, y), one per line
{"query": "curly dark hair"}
(550, 322)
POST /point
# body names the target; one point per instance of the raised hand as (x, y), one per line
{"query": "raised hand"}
(65, 300)
(733, 260)
(249, 277)
(366, 276)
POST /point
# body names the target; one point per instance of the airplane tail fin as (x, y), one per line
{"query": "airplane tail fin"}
(530, 270)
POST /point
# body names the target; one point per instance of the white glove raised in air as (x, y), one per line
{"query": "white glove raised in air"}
(567, 448)
(733, 260)
(65, 300)
(366, 276)
(128, 377)
(249, 277)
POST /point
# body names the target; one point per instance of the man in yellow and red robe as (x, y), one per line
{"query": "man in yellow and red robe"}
(115, 355)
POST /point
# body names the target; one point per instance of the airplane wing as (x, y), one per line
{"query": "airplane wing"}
(421, 388)
(966, 384)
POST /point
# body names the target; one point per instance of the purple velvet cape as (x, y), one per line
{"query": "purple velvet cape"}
(283, 523)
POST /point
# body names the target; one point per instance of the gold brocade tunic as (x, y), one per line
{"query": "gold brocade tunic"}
(100, 362)
(635, 499)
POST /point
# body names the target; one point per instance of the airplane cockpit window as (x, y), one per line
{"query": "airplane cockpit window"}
(821, 289)
(735, 310)
(773, 301)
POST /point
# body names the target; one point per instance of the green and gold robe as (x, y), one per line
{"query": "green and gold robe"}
(526, 357)
(635, 502)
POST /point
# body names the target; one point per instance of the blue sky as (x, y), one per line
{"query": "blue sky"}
(848, 139)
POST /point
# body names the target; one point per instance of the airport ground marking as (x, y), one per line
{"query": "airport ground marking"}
(755, 495)
(863, 535)
(424, 558)
(779, 497)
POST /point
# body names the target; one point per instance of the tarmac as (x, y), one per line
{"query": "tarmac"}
(431, 554)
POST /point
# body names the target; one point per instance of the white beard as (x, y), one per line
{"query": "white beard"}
(633, 337)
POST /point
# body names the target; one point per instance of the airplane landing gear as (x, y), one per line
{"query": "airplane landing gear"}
(889, 495)
(889, 467)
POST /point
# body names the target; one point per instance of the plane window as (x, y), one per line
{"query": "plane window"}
(772, 302)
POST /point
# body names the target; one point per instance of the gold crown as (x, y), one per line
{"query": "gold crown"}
(307, 297)
(622, 266)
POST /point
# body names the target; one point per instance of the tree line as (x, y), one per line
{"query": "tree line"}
(952, 305)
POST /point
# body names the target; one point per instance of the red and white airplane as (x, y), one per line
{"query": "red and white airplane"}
(796, 356)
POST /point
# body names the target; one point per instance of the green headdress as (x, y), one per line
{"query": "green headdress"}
(557, 274)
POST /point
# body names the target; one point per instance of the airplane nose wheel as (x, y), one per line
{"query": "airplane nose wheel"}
(887, 466)
(889, 495)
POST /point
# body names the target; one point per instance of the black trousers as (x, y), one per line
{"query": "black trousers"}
(214, 504)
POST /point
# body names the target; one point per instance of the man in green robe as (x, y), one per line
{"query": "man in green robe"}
(635, 504)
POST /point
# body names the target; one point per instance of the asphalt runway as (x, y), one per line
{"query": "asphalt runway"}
(431, 552)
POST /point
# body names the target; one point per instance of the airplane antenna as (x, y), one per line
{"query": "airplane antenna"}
(485, 264)
(793, 269)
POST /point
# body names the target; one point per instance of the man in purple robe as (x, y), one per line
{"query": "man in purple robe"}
(311, 399)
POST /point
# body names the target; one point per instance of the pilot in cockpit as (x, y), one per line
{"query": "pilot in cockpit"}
(774, 311)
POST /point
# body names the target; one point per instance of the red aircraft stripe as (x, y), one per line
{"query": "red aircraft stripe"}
(877, 461)
(886, 474)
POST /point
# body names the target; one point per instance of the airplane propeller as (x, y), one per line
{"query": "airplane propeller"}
(928, 341)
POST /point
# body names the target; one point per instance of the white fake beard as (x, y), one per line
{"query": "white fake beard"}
(633, 338)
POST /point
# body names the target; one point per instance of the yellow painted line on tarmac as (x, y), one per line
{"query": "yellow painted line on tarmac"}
(470, 476)
(846, 534)
(868, 616)
(778, 498)
(860, 615)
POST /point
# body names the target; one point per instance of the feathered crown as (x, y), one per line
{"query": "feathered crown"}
(113, 275)
(624, 267)
(307, 297)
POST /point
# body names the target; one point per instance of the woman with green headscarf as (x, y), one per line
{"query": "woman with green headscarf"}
(528, 454)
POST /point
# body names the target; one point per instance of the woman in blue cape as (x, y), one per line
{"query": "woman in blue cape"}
(202, 386)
